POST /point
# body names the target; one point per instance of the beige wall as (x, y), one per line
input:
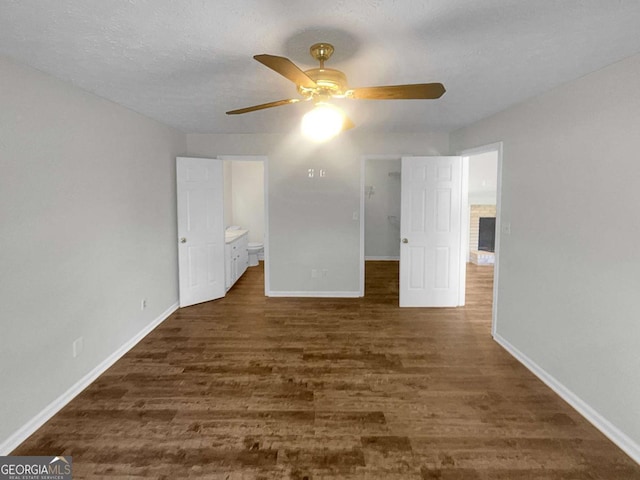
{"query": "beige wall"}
(382, 208)
(568, 271)
(483, 178)
(88, 215)
(247, 196)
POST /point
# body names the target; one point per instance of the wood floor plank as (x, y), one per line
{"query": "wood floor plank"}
(249, 387)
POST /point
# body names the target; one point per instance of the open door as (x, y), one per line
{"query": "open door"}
(200, 191)
(430, 231)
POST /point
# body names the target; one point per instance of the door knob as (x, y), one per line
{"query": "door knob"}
(404, 240)
(183, 240)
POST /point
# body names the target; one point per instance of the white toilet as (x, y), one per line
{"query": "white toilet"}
(254, 249)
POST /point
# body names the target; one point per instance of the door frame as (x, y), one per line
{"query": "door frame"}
(265, 161)
(465, 154)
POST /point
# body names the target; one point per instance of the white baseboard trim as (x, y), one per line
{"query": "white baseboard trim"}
(11, 443)
(315, 294)
(612, 432)
(378, 259)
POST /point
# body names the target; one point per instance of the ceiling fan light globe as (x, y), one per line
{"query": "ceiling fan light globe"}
(322, 123)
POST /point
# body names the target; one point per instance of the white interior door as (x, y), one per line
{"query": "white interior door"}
(200, 188)
(430, 229)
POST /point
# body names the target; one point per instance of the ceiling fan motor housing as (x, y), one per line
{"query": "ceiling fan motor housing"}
(330, 82)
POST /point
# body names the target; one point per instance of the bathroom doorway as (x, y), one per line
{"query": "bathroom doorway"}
(245, 203)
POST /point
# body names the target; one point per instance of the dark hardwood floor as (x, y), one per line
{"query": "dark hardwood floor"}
(250, 387)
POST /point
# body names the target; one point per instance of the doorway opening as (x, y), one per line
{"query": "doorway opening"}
(245, 205)
(482, 169)
(382, 208)
(380, 211)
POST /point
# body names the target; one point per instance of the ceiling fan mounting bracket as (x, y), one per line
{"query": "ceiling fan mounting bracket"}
(321, 52)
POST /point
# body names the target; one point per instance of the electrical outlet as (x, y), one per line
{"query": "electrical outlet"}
(325, 272)
(78, 346)
(311, 173)
(314, 273)
(143, 304)
(506, 228)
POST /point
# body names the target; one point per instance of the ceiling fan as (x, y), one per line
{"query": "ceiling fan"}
(321, 84)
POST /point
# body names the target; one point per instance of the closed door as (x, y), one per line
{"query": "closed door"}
(200, 185)
(430, 231)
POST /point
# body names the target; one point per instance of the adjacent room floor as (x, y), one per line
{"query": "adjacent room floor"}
(249, 387)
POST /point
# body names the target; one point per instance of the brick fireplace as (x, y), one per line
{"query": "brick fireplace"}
(476, 256)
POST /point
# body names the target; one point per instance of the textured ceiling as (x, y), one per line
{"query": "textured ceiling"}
(186, 62)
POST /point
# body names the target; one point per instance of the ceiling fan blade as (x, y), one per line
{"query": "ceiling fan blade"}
(399, 92)
(287, 69)
(263, 106)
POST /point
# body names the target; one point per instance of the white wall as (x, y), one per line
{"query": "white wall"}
(382, 208)
(311, 220)
(568, 274)
(483, 178)
(88, 229)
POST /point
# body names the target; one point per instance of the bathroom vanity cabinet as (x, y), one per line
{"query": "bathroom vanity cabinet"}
(236, 256)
